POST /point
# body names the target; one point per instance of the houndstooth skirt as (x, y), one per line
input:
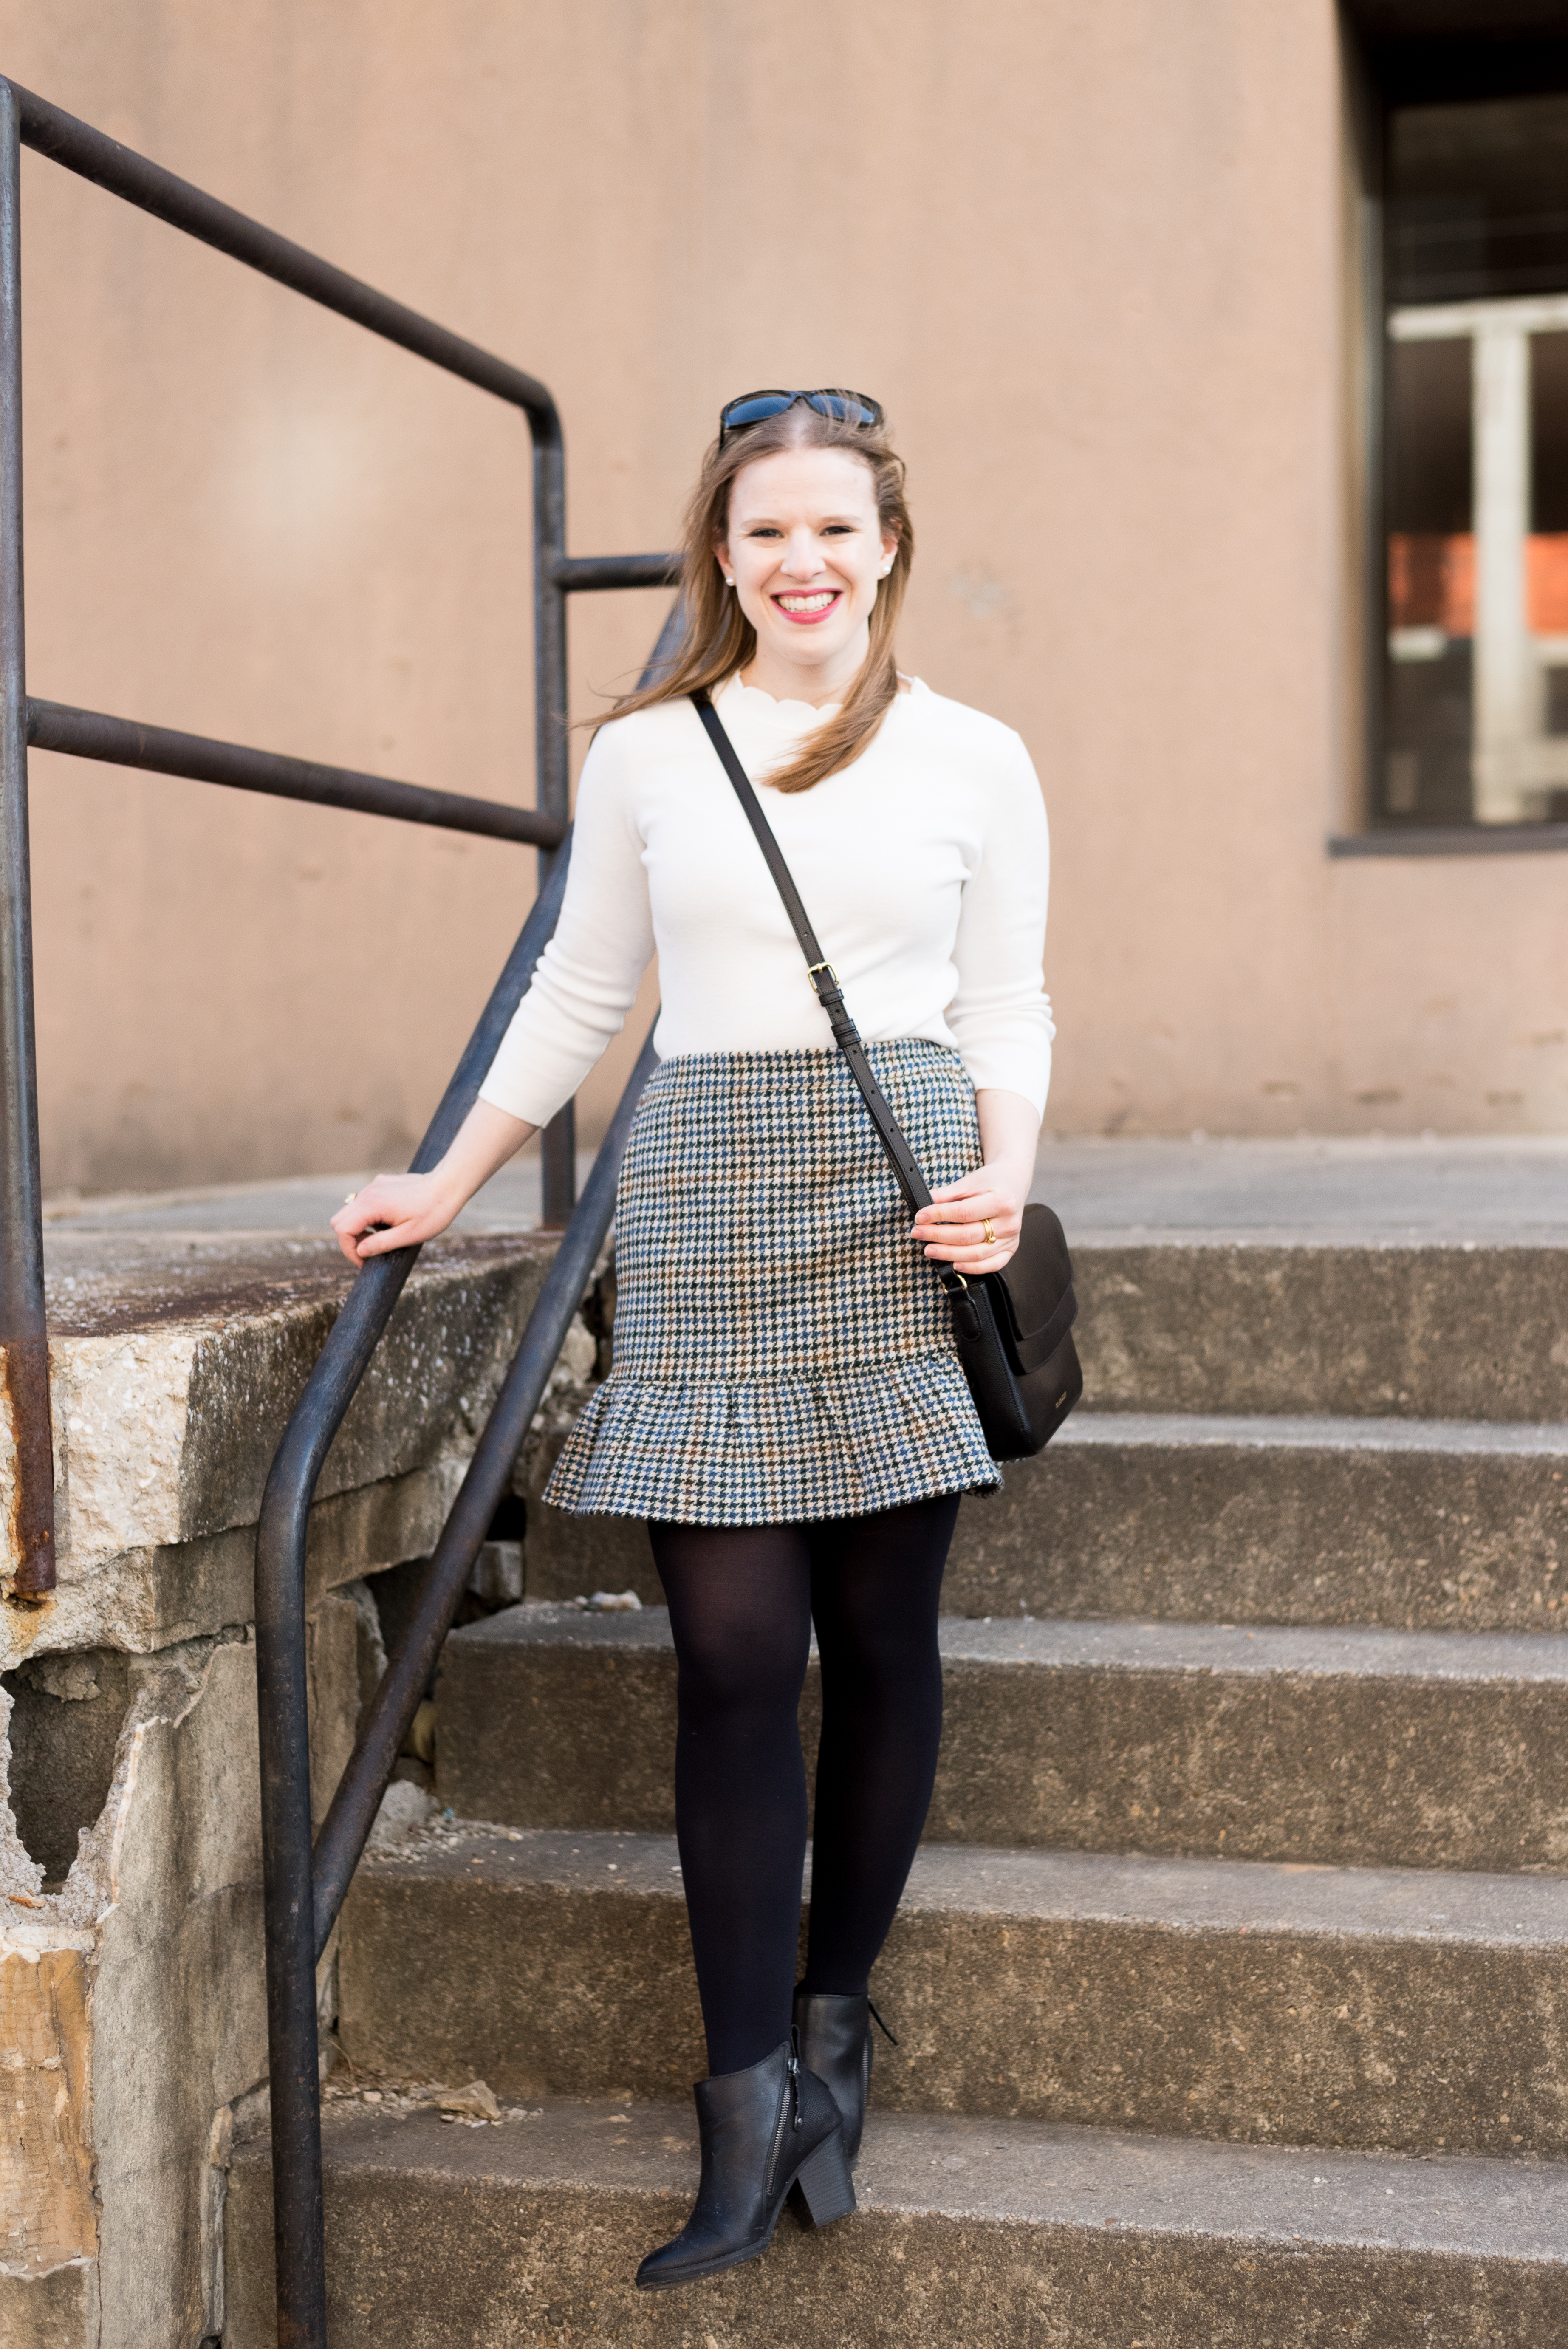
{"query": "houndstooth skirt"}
(782, 1348)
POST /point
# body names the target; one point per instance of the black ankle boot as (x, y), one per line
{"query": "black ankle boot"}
(762, 2131)
(835, 2035)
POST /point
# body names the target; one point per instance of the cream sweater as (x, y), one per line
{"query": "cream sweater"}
(923, 868)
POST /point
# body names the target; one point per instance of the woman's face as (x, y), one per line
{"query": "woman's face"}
(805, 551)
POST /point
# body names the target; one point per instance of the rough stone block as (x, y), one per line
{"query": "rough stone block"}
(171, 1394)
(128, 1805)
(46, 2152)
(159, 1921)
(61, 2309)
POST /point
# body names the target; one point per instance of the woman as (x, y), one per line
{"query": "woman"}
(784, 1407)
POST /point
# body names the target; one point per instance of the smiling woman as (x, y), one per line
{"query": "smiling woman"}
(786, 1407)
(798, 544)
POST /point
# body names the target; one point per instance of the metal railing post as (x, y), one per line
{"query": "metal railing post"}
(282, 1691)
(558, 1144)
(24, 1335)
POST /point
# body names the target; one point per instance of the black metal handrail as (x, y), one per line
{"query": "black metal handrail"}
(28, 120)
(302, 1896)
(124, 743)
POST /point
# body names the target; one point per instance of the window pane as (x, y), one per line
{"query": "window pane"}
(1476, 710)
(1478, 199)
(1431, 581)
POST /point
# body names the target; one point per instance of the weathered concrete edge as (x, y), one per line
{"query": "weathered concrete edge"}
(1136, 1646)
(164, 1434)
(1012, 2170)
(415, 2248)
(1187, 1899)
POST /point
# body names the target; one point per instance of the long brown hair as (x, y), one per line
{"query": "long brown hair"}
(718, 638)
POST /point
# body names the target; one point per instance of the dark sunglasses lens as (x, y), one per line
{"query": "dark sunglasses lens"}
(842, 407)
(753, 411)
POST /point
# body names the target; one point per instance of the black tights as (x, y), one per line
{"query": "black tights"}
(742, 1601)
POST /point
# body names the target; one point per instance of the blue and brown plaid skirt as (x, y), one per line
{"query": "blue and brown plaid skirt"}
(782, 1348)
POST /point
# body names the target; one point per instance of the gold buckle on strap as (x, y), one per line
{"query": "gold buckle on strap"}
(812, 968)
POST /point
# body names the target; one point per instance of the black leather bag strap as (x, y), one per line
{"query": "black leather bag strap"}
(822, 975)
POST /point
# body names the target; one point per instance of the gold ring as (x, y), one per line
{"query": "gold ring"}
(989, 1228)
(349, 1199)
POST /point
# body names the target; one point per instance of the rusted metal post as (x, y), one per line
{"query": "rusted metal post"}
(24, 1337)
(558, 1144)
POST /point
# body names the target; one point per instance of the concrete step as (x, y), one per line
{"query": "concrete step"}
(1225, 1999)
(1413, 1524)
(1418, 1330)
(1398, 1749)
(1004, 2235)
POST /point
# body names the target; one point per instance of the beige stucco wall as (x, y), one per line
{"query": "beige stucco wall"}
(1090, 255)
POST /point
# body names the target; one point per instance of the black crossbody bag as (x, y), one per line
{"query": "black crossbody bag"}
(1013, 1330)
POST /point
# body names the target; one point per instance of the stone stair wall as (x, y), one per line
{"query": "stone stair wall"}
(131, 2018)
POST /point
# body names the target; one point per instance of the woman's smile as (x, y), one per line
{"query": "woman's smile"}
(805, 610)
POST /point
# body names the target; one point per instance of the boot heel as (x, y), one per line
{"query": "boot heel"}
(825, 2187)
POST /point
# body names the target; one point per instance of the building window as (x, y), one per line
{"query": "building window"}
(1475, 700)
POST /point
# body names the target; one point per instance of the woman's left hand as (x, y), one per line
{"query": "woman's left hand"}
(954, 1228)
(973, 1224)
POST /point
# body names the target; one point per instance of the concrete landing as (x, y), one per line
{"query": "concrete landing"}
(1468, 1187)
(296, 1206)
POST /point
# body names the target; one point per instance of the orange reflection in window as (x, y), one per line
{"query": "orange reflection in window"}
(1431, 582)
(1546, 559)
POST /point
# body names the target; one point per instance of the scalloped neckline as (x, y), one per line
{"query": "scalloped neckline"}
(811, 714)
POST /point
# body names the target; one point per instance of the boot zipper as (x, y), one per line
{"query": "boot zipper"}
(794, 2069)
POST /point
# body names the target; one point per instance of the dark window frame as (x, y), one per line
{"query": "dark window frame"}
(1403, 52)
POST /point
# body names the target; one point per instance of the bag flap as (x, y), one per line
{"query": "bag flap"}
(1035, 1291)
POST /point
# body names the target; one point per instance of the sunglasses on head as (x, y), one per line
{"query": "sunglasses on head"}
(754, 407)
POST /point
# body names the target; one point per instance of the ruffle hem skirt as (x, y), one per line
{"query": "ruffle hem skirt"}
(782, 1348)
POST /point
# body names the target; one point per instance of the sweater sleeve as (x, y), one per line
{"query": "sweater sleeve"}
(1001, 1016)
(586, 980)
